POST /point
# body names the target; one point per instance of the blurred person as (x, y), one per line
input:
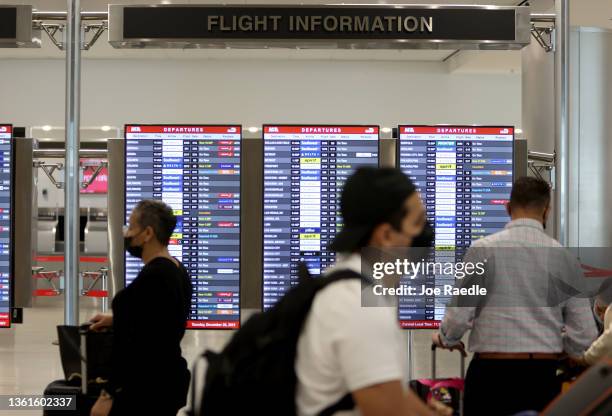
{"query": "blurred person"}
(348, 352)
(602, 347)
(517, 348)
(149, 376)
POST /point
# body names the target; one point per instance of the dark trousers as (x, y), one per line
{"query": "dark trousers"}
(164, 398)
(506, 387)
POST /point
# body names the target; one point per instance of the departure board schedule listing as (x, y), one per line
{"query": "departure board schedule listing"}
(464, 175)
(6, 132)
(305, 168)
(196, 170)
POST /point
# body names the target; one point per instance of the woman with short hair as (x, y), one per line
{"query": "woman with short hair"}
(149, 374)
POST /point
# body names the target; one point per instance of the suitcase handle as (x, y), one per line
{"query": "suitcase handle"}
(434, 347)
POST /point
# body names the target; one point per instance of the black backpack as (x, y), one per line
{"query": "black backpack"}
(255, 372)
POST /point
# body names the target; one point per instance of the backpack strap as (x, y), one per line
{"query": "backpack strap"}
(342, 274)
(345, 403)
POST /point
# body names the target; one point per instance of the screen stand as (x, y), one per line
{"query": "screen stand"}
(410, 353)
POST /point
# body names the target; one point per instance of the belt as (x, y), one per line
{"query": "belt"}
(517, 356)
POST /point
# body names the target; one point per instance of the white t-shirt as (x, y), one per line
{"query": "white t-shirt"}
(345, 347)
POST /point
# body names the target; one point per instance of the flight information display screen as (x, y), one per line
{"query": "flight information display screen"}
(464, 175)
(6, 143)
(305, 168)
(195, 170)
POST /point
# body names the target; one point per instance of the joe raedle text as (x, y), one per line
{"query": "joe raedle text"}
(424, 290)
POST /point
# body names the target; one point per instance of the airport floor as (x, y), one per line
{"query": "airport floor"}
(29, 360)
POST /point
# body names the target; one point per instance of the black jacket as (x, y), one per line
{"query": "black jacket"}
(149, 319)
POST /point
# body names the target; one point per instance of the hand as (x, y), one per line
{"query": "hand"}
(103, 406)
(577, 361)
(101, 321)
(440, 408)
(437, 341)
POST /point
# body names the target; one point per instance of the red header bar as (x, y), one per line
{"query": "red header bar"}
(6, 129)
(420, 324)
(4, 320)
(213, 324)
(466, 130)
(321, 129)
(82, 259)
(184, 129)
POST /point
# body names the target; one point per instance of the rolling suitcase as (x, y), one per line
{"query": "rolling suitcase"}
(85, 356)
(589, 395)
(446, 390)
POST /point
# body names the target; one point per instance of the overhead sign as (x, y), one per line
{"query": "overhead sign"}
(359, 27)
(16, 27)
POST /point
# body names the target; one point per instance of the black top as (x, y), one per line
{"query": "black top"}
(149, 319)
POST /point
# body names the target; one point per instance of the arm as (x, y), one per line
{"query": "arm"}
(134, 326)
(603, 345)
(389, 399)
(371, 358)
(101, 321)
(580, 329)
(457, 320)
(461, 310)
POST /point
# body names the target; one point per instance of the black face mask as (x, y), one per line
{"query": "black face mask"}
(426, 238)
(135, 251)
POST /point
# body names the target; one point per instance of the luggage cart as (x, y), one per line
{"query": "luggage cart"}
(96, 279)
(53, 278)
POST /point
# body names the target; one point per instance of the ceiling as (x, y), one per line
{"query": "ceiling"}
(583, 12)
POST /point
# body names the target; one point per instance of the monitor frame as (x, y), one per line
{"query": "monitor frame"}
(12, 225)
(238, 125)
(436, 324)
(263, 139)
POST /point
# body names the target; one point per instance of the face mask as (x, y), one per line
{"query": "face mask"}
(426, 238)
(596, 314)
(135, 251)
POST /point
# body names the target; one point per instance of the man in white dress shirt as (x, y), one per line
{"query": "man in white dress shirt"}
(517, 345)
(345, 348)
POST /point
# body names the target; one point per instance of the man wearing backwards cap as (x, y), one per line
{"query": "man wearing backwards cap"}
(344, 347)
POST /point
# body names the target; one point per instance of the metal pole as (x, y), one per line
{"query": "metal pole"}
(63, 15)
(562, 62)
(72, 182)
(61, 153)
(543, 17)
(410, 354)
(104, 278)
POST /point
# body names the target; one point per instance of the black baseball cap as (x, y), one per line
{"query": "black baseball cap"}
(371, 196)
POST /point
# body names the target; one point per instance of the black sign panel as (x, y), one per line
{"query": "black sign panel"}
(316, 23)
(8, 22)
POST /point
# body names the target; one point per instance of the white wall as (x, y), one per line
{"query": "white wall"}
(252, 92)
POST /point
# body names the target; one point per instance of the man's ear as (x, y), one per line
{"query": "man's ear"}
(149, 233)
(380, 235)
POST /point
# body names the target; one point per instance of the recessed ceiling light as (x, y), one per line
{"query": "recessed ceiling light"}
(519, 131)
(253, 129)
(386, 130)
(47, 128)
(105, 128)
